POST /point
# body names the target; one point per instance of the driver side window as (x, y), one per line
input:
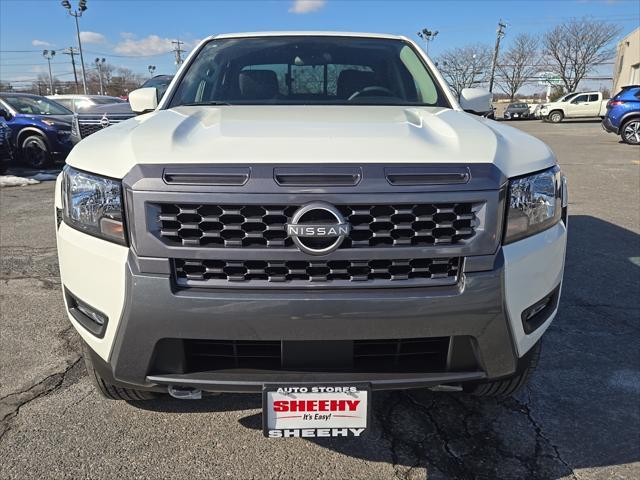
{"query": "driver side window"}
(580, 99)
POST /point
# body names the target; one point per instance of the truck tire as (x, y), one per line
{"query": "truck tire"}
(630, 131)
(556, 116)
(34, 152)
(508, 386)
(108, 390)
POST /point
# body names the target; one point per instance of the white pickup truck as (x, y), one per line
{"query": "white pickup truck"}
(582, 105)
(310, 216)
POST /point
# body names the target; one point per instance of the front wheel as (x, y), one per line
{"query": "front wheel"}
(508, 386)
(108, 390)
(630, 132)
(556, 117)
(34, 152)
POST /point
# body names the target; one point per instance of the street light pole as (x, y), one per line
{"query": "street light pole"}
(99, 64)
(82, 6)
(49, 54)
(428, 36)
(499, 35)
(152, 68)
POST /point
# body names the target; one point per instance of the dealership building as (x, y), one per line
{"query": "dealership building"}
(627, 66)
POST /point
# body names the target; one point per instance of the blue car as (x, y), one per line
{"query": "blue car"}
(623, 115)
(41, 130)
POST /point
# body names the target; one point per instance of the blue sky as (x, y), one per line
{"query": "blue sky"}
(136, 33)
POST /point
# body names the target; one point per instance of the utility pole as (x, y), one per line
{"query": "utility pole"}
(152, 68)
(72, 52)
(499, 35)
(428, 36)
(99, 63)
(49, 54)
(82, 6)
(178, 51)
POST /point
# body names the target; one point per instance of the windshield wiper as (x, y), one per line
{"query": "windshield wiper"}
(196, 104)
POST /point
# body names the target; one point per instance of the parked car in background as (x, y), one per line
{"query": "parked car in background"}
(95, 118)
(6, 150)
(160, 83)
(516, 111)
(80, 102)
(623, 115)
(41, 129)
(582, 105)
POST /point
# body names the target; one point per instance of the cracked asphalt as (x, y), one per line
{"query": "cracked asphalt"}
(579, 417)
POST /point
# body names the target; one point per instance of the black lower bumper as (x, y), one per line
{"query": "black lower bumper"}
(608, 126)
(156, 310)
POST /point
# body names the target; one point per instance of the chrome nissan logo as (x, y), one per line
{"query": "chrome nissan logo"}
(318, 228)
(104, 121)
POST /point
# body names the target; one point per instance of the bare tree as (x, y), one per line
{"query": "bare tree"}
(466, 66)
(574, 48)
(519, 64)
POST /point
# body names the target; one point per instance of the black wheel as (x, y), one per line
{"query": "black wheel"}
(34, 152)
(508, 386)
(109, 390)
(630, 132)
(556, 117)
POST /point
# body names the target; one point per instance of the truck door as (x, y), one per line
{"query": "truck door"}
(586, 105)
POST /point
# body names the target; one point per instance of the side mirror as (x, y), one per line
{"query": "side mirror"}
(476, 100)
(4, 114)
(143, 100)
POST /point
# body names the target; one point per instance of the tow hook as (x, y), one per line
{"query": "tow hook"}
(185, 393)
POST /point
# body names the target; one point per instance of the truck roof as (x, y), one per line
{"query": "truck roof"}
(306, 34)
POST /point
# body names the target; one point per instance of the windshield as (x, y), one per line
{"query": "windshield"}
(568, 97)
(518, 105)
(35, 105)
(308, 71)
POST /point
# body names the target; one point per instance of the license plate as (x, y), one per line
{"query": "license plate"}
(315, 410)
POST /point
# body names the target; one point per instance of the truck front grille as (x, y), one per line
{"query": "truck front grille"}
(257, 226)
(428, 271)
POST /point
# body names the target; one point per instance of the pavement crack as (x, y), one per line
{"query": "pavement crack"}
(516, 405)
(11, 404)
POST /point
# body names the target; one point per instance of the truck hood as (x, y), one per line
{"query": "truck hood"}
(308, 134)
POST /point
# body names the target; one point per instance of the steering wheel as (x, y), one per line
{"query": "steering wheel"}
(370, 89)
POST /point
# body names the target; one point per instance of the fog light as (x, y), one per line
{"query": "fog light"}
(535, 315)
(87, 316)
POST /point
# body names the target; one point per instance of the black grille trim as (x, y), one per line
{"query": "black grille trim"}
(273, 273)
(369, 356)
(264, 226)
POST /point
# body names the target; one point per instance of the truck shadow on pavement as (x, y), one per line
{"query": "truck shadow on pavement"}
(579, 412)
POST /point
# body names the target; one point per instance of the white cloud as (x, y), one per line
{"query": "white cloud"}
(41, 43)
(92, 37)
(306, 6)
(150, 45)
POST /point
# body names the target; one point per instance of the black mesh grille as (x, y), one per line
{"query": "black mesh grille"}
(435, 270)
(385, 355)
(236, 226)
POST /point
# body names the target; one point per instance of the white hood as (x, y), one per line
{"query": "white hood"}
(308, 134)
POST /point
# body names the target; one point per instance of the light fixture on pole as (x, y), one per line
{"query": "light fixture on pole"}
(77, 13)
(99, 64)
(152, 69)
(428, 36)
(49, 54)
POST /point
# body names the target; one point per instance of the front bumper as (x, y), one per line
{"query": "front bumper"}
(144, 308)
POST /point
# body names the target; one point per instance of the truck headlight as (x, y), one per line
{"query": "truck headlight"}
(93, 204)
(535, 203)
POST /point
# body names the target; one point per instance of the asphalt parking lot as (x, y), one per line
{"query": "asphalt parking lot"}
(579, 418)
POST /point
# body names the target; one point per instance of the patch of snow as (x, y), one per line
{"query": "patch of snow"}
(13, 181)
